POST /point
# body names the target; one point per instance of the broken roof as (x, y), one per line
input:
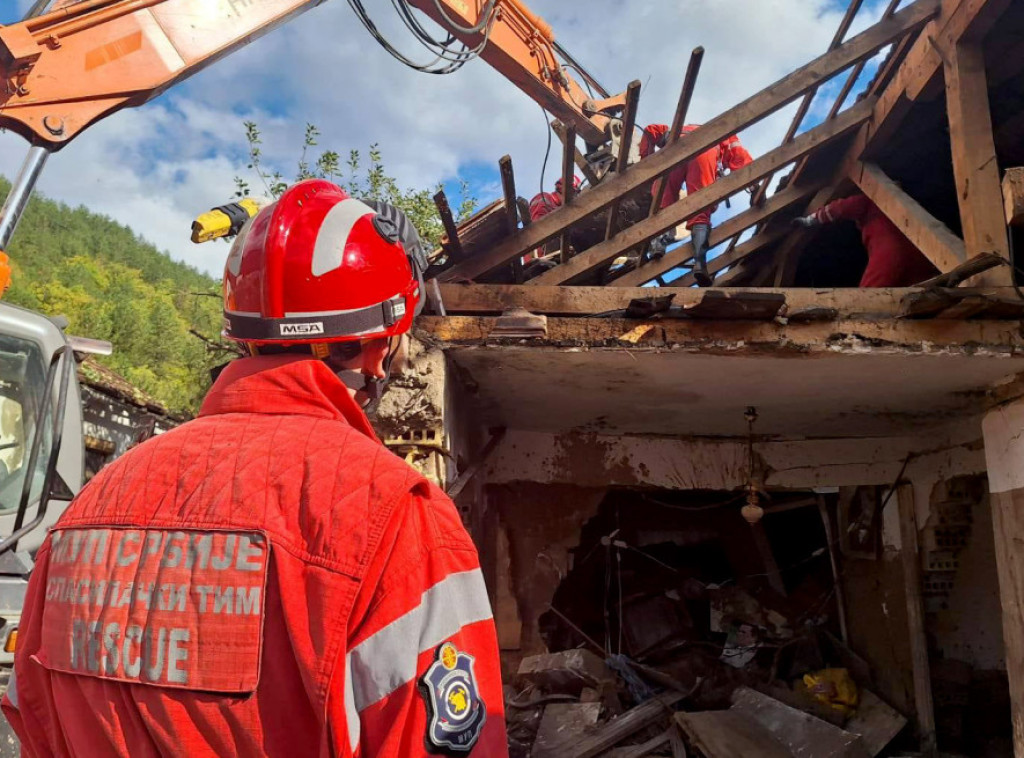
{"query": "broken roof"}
(897, 142)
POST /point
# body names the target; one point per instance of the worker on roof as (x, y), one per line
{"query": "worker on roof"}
(893, 261)
(697, 173)
(268, 579)
(543, 203)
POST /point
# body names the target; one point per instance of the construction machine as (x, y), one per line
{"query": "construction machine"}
(71, 63)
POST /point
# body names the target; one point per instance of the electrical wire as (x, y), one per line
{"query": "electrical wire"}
(547, 151)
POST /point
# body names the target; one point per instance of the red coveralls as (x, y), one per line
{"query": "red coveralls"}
(541, 205)
(285, 587)
(893, 261)
(697, 173)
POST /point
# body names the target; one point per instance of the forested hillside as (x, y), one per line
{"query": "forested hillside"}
(112, 285)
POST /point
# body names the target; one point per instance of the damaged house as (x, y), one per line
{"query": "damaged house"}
(777, 516)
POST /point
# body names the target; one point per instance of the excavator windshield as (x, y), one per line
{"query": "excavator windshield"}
(22, 385)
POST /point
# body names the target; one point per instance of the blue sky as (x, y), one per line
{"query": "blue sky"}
(156, 167)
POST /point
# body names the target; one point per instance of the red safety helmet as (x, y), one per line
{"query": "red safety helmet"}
(318, 266)
(576, 184)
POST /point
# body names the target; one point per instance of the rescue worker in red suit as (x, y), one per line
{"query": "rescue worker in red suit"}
(699, 172)
(893, 261)
(543, 203)
(268, 579)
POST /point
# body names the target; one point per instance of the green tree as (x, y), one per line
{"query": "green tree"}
(366, 178)
(112, 285)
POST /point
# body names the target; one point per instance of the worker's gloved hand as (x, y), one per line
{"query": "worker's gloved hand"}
(806, 222)
(659, 245)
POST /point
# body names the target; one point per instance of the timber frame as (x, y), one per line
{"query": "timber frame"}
(935, 51)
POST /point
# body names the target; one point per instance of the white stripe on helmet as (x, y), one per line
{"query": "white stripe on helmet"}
(334, 232)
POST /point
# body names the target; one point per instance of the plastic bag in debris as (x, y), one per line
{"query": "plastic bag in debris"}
(834, 687)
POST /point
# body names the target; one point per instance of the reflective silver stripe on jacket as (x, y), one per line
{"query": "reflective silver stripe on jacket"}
(387, 660)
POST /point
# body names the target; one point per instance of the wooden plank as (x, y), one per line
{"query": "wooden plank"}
(751, 110)
(736, 181)
(731, 227)
(625, 143)
(964, 271)
(974, 157)
(568, 187)
(453, 246)
(927, 233)
(915, 618)
(739, 253)
(508, 190)
(723, 305)
(725, 734)
(723, 337)
(679, 118)
(611, 734)
(581, 162)
(1013, 196)
(584, 301)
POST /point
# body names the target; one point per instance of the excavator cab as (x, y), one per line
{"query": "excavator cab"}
(41, 449)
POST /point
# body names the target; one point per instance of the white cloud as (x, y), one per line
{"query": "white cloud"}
(156, 167)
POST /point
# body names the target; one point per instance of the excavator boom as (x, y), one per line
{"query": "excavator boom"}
(67, 68)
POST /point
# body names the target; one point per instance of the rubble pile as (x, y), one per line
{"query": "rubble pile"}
(746, 681)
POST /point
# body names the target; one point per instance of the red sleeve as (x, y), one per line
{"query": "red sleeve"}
(847, 209)
(653, 133)
(422, 646)
(734, 155)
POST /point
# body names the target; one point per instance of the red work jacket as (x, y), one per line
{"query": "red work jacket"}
(699, 172)
(893, 261)
(265, 580)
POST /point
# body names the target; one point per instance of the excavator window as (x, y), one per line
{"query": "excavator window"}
(22, 382)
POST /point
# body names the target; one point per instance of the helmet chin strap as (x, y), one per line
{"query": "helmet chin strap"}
(371, 386)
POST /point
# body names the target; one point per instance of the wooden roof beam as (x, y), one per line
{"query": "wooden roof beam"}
(974, 157)
(755, 108)
(927, 233)
(729, 185)
(921, 71)
(731, 228)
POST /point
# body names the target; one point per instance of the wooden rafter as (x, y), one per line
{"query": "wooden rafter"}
(625, 143)
(679, 119)
(568, 186)
(678, 212)
(719, 234)
(917, 77)
(974, 156)
(927, 233)
(750, 111)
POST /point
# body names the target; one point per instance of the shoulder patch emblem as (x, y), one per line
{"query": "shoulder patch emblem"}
(455, 710)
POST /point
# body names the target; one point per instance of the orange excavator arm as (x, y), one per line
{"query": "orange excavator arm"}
(67, 68)
(73, 62)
